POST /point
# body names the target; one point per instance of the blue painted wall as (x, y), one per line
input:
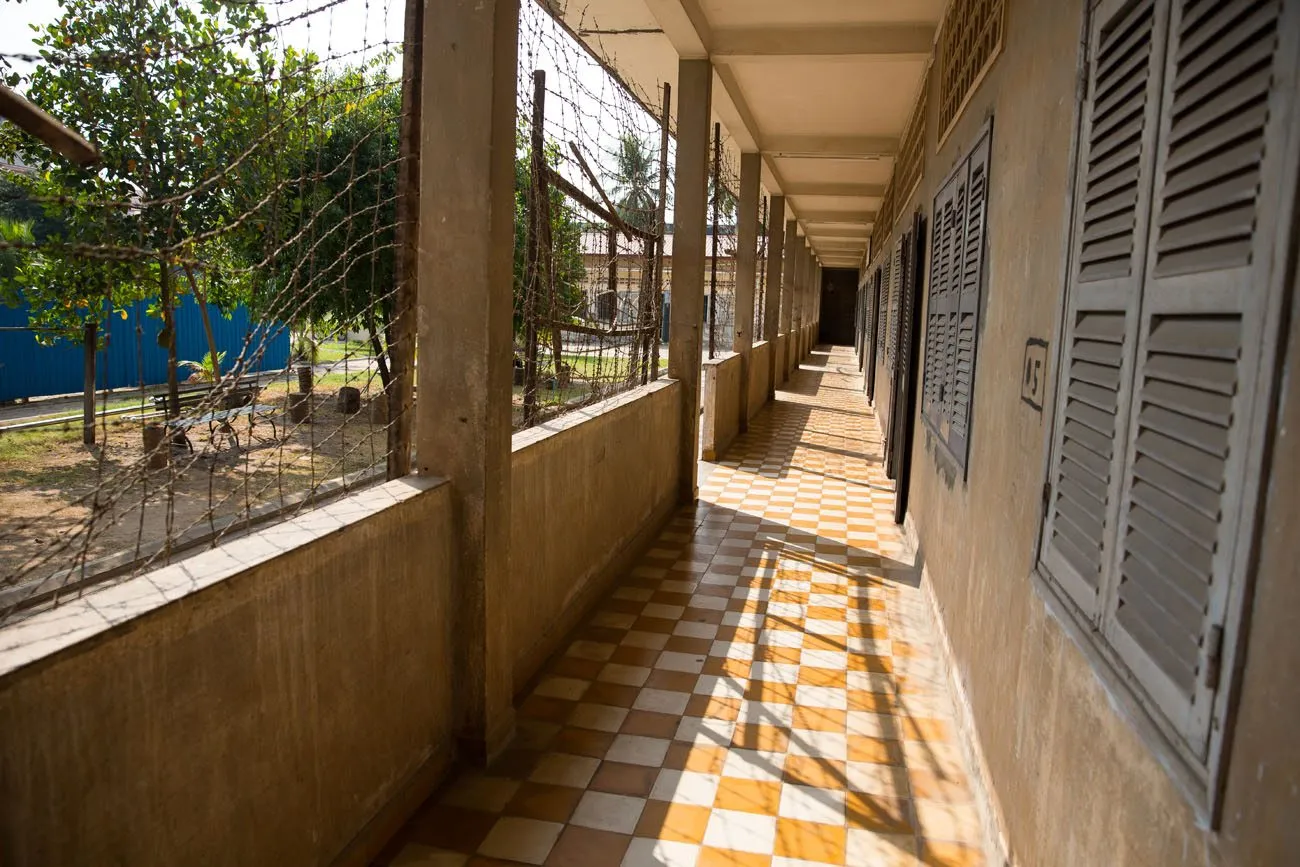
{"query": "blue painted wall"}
(132, 357)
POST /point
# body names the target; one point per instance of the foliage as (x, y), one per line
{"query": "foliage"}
(330, 238)
(170, 93)
(636, 182)
(205, 370)
(567, 269)
(16, 232)
(17, 206)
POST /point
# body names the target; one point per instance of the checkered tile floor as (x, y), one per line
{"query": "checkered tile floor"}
(760, 690)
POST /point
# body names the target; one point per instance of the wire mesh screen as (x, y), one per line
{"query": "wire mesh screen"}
(760, 273)
(225, 273)
(590, 206)
(720, 261)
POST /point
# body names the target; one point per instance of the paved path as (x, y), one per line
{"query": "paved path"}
(762, 689)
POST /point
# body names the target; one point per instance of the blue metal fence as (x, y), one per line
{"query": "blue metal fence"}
(132, 356)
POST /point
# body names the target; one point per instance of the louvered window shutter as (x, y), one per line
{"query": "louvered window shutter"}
(881, 330)
(942, 313)
(896, 304)
(967, 291)
(1111, 211)
(936, 318)
(1225, 174)
(954, 211)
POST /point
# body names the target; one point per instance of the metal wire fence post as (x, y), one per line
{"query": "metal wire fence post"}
(713, 257)
(656, 336)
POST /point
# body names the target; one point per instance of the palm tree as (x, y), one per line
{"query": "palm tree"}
(636, 182)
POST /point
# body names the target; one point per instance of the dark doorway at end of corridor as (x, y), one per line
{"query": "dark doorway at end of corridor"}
(839, 302)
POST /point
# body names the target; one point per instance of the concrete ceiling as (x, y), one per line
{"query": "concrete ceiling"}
(823, 88)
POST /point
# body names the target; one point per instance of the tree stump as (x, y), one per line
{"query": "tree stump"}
(305, 379)
(379, 409)
(157, 450)
(349, 400)
(300, 407)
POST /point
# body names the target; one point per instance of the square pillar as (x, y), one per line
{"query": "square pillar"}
(742, 342)
(788, 290)
(817, 305)
(775, 295)
(464, 300)
(807, 299)
(800, 291)
(690, 217)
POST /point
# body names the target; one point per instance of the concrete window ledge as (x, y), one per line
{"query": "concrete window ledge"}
(720, 402)
(44, 632)
(524, 438)
(267, 699)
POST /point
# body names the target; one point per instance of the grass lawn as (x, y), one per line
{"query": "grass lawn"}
(28, 446)
(337, 350)
(607, 367)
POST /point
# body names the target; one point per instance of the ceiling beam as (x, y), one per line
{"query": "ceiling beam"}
(839, 243)
(830, 146)
(828, 247)
(891, 41)
(687, 28)
(730, 107)
(814, 217)
(857, 230)
(685, 25)
(845, 191)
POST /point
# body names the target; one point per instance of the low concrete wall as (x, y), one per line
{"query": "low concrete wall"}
(286, 698)
(279, 700)
(720, 400)
(781, 348)
(760, 372)
(589, 491)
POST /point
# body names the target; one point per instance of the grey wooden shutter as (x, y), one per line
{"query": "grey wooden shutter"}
(895, 301)
(942, 316)
(1113, 191)
(936, 315)
(881, 330)
(954, 216)
(1225, 178)
(967, 290)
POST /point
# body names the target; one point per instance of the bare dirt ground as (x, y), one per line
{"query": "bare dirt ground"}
(63, 503)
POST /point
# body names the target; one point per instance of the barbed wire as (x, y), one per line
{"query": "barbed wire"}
(588, 308)
(234, 268)
(289, 224)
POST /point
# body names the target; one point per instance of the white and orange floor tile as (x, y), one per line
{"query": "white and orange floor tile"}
(761, 689)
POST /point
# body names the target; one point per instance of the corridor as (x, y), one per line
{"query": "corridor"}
(762, 689)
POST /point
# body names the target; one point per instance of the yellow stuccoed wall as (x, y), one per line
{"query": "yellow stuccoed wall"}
(1075, 784)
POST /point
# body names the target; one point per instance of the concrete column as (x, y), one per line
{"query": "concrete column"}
(788, 288)
(816, 319)
(801, 284)
(775, 296)
(690, 214)
(466, 250)
(742, 340)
